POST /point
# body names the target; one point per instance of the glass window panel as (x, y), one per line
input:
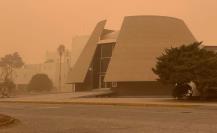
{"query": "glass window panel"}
(103, 84)
(107, 50)
(104, 64)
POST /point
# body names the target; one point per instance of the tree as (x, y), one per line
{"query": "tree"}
(187, 63)
(8, 63)
(7, 87)
(60, 50)
(39, 83)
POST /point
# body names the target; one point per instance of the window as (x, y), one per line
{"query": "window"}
(106, 50)
(104, 64)
(114, 84)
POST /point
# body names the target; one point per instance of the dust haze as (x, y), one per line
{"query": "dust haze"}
(32, 27)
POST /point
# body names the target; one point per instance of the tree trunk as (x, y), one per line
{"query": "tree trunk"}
(60, 74)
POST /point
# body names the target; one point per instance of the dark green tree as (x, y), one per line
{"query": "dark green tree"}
(187, 63)
(40, 83)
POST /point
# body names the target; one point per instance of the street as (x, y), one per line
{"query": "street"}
(66, 118)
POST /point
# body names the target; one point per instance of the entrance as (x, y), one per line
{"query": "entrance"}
(100, 64)
(102, 84)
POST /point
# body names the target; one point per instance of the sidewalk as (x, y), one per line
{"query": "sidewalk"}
(57, 96)
(75, 98)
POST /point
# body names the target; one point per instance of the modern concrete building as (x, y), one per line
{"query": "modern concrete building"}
(78, 44)
(123, 60)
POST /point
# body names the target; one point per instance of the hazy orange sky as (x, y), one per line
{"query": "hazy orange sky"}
(33, 26)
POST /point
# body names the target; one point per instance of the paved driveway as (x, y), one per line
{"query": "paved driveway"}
(62, 118)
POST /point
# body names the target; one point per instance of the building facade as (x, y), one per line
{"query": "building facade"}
(123, 60)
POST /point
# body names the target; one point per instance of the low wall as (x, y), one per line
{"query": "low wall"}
(147, 88)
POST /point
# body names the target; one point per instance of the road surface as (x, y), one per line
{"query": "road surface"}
(65, 118)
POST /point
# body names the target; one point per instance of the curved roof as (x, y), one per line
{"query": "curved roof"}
(111, 35)
(140, 41)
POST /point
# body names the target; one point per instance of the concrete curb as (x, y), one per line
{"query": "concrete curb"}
(147, 104)
(7, 122)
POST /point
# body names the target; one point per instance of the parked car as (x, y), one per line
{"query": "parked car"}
(186, 91)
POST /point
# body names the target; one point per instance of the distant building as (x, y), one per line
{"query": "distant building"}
(22, 76)
(123, 60)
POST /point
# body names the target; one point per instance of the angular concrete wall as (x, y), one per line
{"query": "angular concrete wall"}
(80, 69)
(140, 41)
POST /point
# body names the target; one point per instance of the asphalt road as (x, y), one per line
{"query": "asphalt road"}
(55, 118)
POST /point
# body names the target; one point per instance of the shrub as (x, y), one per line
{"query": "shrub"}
(40, 83)
(188, 63)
